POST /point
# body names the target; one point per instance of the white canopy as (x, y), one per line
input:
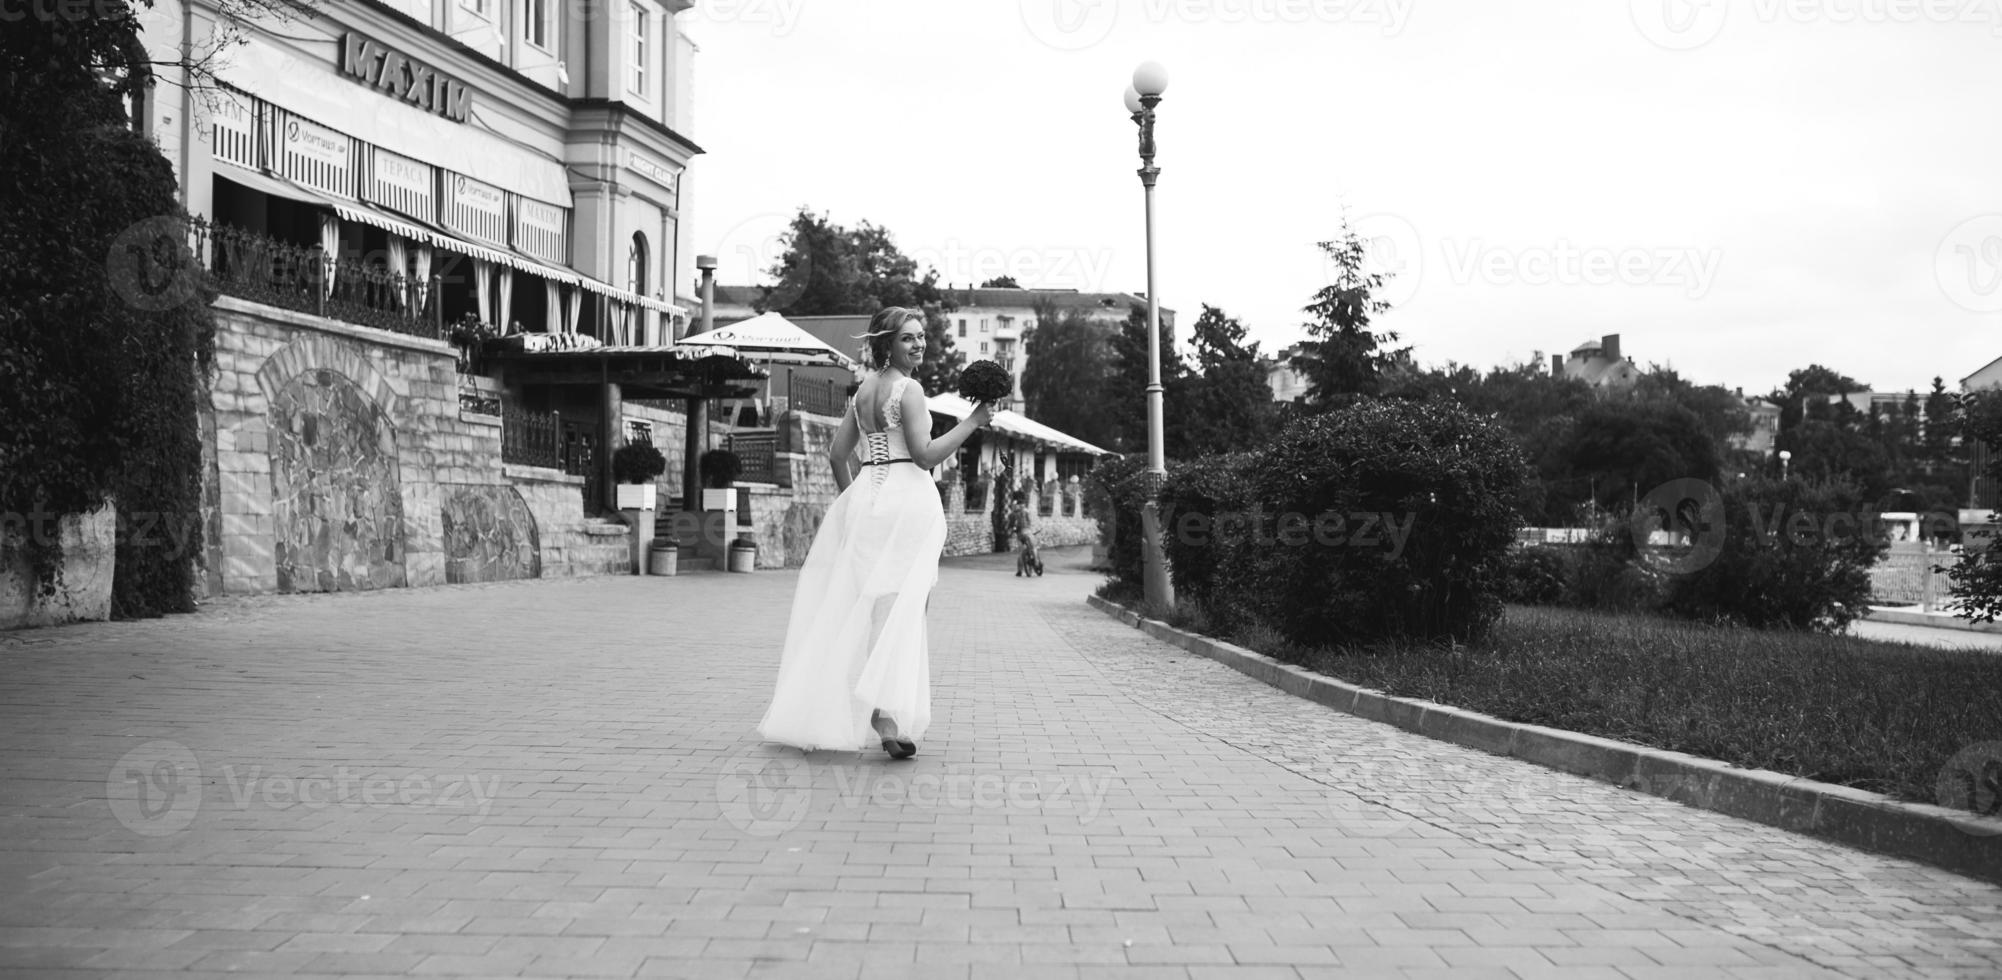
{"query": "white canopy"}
(773, 339)
(1015, 424)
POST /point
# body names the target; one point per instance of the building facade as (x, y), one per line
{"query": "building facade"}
(985, 324)
(519, 161)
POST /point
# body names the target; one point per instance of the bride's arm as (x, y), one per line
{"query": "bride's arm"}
(927, 452)
(843, 449)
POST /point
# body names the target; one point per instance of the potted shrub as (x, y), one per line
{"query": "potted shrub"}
(664, 558)
(719, 473)
(635, 466)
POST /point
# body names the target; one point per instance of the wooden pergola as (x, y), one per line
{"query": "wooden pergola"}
(639, 373)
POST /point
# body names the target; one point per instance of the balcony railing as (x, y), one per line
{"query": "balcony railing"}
(260, 268)
(531, 438)
(755, 451)
(817, 395)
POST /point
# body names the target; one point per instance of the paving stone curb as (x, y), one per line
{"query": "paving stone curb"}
(1931, 619)
(1961, 842)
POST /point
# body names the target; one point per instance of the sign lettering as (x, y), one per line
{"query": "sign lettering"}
(402, 77)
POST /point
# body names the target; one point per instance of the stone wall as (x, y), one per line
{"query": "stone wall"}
(83, 579)
(339, 459)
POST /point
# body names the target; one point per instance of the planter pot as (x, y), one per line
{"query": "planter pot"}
(664, 561)
(725, 499)
(637, 496)
(743, 559)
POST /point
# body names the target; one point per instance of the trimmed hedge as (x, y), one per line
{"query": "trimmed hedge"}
(1120, 486)
(1790, 554)
(1385, 519)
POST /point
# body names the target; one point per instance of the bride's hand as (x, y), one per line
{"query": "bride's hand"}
(983, 413)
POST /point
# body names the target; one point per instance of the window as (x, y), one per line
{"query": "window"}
(639, 49)
(535, 22)
(636, 264)
(962, 328)
(476, 6)
(983, 324)
(983, 347)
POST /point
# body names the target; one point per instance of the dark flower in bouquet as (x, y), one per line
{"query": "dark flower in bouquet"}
(985, 381)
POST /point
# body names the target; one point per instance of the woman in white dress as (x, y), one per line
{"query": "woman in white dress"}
(855, 660)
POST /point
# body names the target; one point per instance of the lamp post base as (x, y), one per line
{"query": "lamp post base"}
(1154, 567)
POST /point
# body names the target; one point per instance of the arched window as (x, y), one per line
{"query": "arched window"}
(636, 264)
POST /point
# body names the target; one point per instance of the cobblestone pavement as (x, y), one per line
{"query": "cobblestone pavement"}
(561, 779)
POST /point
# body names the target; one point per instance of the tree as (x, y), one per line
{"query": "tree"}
(102, 381)
(1001, 282)
(829, 270)
(1064, 380)
(1125, 395)
(1226, 404)
(1798, 399)
(1342, 359)
(1617, 451)
(1977, 576)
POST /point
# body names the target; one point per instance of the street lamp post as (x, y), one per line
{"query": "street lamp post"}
(1785, 456)
(1149, 81)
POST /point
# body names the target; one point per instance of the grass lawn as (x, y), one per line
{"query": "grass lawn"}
(1883, 717)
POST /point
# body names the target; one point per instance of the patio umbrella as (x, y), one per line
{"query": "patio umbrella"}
(772, 339)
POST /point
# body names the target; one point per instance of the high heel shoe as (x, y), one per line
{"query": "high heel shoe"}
(893, 742)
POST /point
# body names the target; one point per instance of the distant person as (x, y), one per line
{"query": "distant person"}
(856, 657)
(1021, 523)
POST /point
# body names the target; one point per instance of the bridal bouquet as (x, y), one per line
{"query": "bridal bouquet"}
(985, 381)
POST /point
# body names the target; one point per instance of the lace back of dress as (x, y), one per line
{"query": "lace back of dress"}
(877, 444)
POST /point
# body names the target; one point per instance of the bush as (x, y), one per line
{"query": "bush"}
(1790, 554)
(1205, 552)
(638, 462)
(1606, 574)
(1113, 483)
(720, 468)
(1534, 575)
(1413, 508)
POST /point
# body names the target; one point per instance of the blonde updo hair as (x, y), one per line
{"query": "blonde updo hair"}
(883, 329)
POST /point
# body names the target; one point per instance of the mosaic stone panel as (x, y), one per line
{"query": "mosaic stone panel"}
(337, 509)
(490, 535)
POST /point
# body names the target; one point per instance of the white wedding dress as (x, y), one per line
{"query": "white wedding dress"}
(856, 642)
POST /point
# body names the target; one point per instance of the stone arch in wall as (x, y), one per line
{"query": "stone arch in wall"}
(337, 496)
(490, 535)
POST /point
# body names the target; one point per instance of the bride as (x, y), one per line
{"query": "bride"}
(855, 659)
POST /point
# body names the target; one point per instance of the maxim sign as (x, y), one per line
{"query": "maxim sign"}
(402, 77)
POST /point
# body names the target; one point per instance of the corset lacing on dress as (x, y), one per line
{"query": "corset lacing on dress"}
(878, 444)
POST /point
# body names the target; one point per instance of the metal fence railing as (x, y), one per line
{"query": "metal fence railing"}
(816, 395)
(257, 267)
(531, 438)
(756, 451)
(1905, 576)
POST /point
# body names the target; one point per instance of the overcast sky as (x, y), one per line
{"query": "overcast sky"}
(1736, 187)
